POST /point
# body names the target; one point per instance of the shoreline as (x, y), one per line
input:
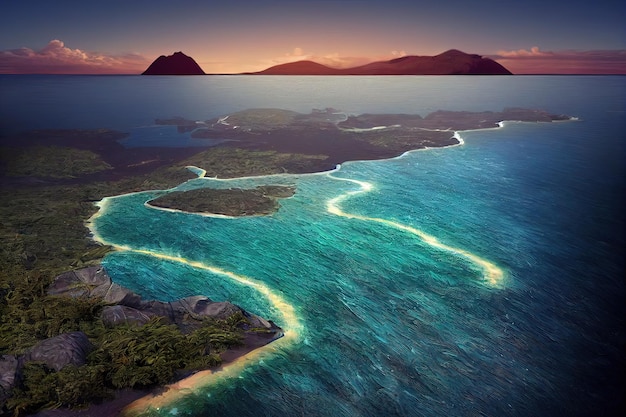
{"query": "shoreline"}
(493, 275)
(239, 361)
(171, 392)
(129, 401)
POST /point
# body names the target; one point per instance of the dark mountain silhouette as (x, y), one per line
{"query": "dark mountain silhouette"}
(300, 68)
(176, 64)
(451, 62)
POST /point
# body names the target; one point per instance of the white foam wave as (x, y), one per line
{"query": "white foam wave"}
(492, 274)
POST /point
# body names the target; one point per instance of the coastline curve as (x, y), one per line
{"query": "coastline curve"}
(492, 274)
(292, 327)
(493, 277)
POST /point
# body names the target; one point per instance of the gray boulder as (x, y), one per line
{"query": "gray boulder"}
(79, 283)
(259, 322)
(116, 294)
(8, 372)
(199, 307)
(159, 308)
(124, 306)
(59, 351)
(93, 282)
(115, 315)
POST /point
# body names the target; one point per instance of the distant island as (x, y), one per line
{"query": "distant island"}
(452, 62)
(176, 64)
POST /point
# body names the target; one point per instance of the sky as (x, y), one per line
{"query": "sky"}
(234, 36)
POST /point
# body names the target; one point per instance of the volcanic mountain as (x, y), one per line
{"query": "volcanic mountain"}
(452, 62)
(176, 64)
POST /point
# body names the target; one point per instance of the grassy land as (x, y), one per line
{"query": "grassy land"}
(52, 162)
(259, 201)
(235, 162)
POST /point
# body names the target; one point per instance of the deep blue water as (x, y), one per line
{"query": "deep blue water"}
(388, 324)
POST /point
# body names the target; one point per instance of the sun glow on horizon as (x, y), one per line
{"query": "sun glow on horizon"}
(57, 58)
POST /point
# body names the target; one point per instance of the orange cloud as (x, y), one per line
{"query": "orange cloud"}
(535, 61)
(56, 58)
(523, 53)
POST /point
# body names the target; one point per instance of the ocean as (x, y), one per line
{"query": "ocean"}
(379, 270)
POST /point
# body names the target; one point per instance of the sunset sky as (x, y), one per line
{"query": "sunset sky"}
(530, 36)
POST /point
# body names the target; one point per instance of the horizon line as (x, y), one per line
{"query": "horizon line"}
(322, 75)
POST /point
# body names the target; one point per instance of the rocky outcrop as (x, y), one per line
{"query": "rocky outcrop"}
(176, 64)
(115, 315)
(93, 282)
(124, 306)
(8, 374)
(60, 351)
(55, 353)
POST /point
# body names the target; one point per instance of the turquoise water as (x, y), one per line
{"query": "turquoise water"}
(389, 324)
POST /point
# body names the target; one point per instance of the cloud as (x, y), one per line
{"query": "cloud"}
(398, 54)
(56, 58)
(523, 53)
(536, 61)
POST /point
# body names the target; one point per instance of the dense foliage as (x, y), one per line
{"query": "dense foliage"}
(127, 356)
(53, 162)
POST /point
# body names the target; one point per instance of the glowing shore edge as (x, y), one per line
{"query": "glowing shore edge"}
(292, 327)
(292, 331)
(493, 275)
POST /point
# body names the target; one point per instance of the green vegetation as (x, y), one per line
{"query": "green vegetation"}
(229, 202)
(126, 357)
(29, 315)
(235, 162)
(51, 162)
(399, 140)
(262, 118)
(71, 386)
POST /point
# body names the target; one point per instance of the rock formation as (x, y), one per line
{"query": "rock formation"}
(8, 374)
(60, 351)
(124, 306)
(176, 64)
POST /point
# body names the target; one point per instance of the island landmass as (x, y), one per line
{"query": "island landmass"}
(332, 136)
(50, 239)
(451, 62)
(231, 202)
(176, 64)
